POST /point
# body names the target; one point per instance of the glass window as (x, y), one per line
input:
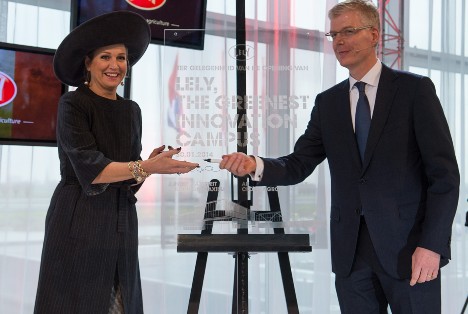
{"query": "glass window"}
(252, 8)
(283, 78)
(309, 15)
(465, 27)
(36, 26)
(419, 32)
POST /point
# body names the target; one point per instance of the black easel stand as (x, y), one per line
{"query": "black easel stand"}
(241, 244)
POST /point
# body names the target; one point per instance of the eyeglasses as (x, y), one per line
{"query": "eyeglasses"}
(346, 33)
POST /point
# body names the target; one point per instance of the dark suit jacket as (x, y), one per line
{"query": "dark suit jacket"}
(407, 185)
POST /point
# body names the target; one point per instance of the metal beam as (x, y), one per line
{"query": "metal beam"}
(391, 29)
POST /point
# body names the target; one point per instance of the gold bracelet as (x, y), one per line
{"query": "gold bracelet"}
(141, 170)
(137, 171)
(134, 171)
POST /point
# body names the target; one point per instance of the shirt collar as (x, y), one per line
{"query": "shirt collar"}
(371, 78)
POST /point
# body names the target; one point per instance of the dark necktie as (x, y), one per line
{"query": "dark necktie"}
(363, 118)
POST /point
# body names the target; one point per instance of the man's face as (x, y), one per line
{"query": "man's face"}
(354, 43)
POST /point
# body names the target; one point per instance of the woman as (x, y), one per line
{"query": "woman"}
(90, 256)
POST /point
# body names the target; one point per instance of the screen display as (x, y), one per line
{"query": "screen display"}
(182, 17)
(29, 96)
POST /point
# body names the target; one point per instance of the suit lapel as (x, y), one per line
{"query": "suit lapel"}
(383, 102)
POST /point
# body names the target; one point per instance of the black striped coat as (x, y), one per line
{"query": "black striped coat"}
(91, 230)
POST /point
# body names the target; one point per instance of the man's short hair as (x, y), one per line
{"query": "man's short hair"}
(366, 8)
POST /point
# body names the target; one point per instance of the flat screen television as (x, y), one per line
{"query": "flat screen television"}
(184, 18)
(29, 96)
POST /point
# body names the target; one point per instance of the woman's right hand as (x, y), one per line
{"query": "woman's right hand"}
(161, 162)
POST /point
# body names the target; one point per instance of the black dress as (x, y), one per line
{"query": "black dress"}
(91, 230)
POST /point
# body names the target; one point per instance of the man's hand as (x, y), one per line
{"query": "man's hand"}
(425, 265)
(238, 164)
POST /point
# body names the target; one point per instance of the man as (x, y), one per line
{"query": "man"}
(394, 176)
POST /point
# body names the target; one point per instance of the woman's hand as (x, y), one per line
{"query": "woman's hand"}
(161, 162)
(157, 151)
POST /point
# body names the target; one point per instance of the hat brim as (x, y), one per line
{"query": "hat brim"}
(119, 27)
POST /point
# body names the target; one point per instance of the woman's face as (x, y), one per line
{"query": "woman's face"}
(107, 68)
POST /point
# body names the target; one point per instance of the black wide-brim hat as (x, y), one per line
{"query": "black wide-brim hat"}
(118, 27)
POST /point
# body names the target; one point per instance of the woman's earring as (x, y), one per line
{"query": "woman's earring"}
(87, 78)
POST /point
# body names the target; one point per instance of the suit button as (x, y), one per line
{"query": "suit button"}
(358, 211)
(362, 181)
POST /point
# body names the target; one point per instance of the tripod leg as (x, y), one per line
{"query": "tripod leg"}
(197, 283)
(240, 295)
(202, 257)
(288, 283)
(465, 305)
(283, 258)
(235, 286)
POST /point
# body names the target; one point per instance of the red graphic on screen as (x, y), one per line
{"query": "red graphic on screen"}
(36, 82)
(8, 89)
(147, 4)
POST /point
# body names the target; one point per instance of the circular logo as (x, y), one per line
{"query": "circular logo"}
(146, 4)
(8, 89)
(245, 52)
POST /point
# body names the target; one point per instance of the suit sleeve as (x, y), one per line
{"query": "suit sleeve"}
(297, 166)
(438, 156)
